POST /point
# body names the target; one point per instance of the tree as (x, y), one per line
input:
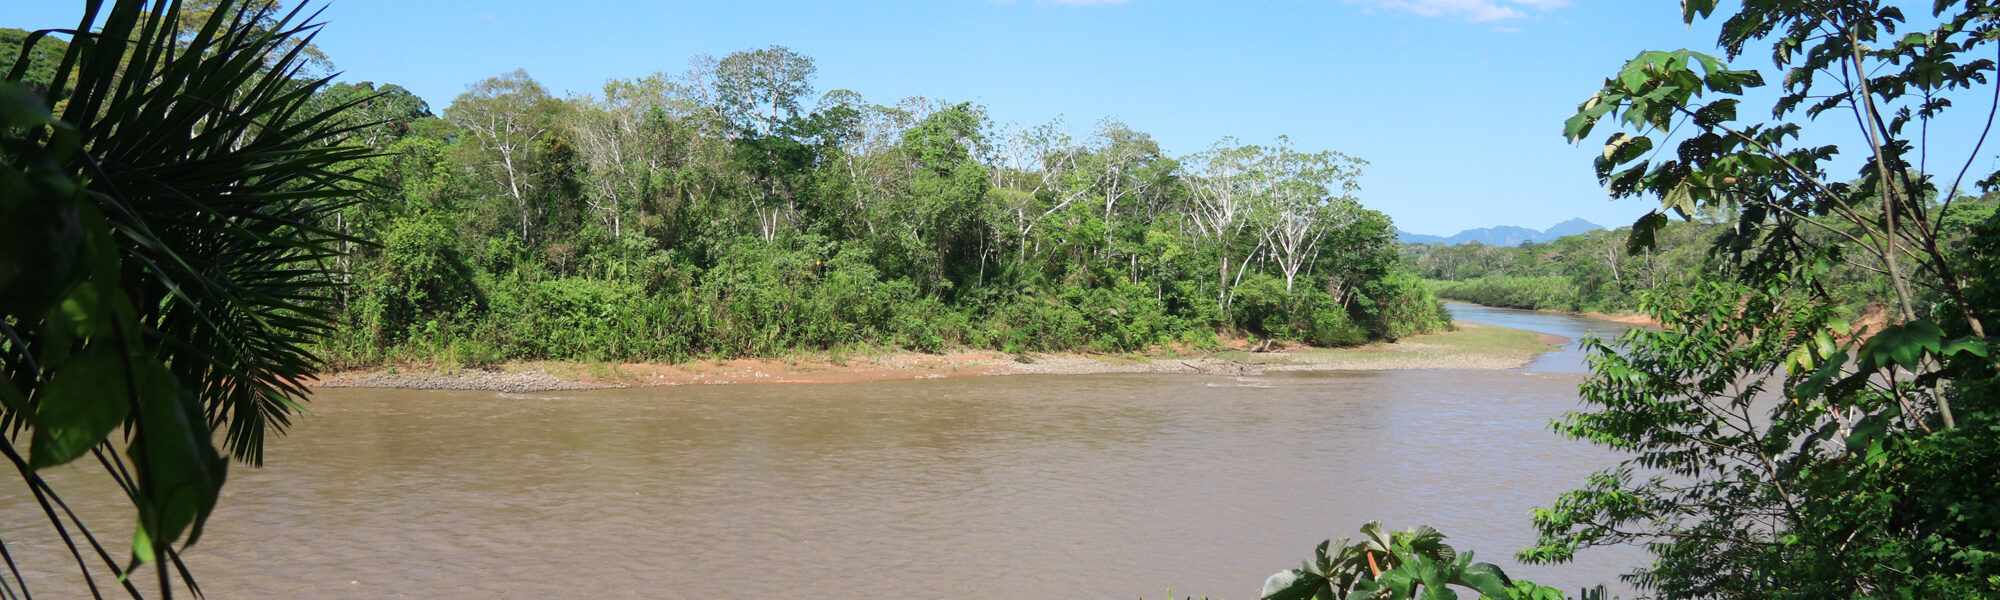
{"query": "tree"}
(619, 168)
(948, 183)
(1779, 451)
(760, 89)
(1297, 203)
(265, 16)
(1222, 192)
(1123, 165)
(760, 93)
(378, 116)
(507, 115)
(42, 59)
(1033, 167)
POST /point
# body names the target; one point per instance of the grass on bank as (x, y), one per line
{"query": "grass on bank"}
(1468, 343)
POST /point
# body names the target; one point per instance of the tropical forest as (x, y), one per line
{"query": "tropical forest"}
(353, 299)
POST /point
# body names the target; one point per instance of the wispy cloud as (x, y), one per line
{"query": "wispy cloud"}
(1476, 11)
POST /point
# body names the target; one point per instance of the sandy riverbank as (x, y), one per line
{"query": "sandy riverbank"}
(1472, 346)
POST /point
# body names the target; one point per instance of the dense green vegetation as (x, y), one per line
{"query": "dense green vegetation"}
(1773, 449)
(1596, 271)
(42, 60)
(1585, 272)
(733, 212)
(1399, 565)
(161, 267)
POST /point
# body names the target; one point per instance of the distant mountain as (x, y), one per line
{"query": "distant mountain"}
(1568, 228)
(1505, 235)
(1417, 238)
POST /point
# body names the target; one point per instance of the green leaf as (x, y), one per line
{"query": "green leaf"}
(1968, 345)
(1817, 382)
(1487, 578)
(1622, 149)
(1634, 76)
(1693, 8)
(1865, 432)
(179, 471)
(84, 400)
(1680, 198)
(1586, 116)
(1294, 585)
(1439, 593)
(21, 107)
(1903, 345)
(1644, 232)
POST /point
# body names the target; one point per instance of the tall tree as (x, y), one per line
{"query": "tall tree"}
(760, 89)
(507, 116)
(949, 183)
(1302, 196)
(1223, 183)
(1035, 175)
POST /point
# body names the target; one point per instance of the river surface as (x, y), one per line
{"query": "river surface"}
(1104, 486)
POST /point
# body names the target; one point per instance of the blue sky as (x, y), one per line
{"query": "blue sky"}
(1457, 104)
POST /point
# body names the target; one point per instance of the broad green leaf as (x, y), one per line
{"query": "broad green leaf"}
(1291, 585)
(1643, 232)
(1634, 76)
(84, 400)
(1439, 592)
(1487, 578)
(179, 470)
(1966, 345)
(1903, 345)
(21, 107)
(1799, 360)
(1696, 8)
(1680, 198)
(1622, 148)
(1824, 375)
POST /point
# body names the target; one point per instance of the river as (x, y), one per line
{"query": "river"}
(1106, 486)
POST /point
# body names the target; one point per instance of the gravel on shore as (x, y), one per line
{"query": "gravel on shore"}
(469, 379)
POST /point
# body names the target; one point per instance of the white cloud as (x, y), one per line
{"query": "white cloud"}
(1476, 11)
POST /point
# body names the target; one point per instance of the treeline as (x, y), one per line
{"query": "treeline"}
(731, 211)
(1599, 271)
(1585, 272)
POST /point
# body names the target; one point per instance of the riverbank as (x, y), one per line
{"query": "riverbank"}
(1636, 319)
(1471, 346)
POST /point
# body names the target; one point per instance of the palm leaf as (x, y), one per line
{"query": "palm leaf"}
(223, 201)
(207, 180)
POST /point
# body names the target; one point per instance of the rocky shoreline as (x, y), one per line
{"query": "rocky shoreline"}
(521, 382)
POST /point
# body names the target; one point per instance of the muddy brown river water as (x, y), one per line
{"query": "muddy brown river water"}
(1107, 486)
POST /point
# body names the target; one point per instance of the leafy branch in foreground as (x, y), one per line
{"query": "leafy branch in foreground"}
(1399, 565)
(162, 259)
(1776, 449)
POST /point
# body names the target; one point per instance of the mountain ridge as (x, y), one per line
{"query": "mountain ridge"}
(1503, 235)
